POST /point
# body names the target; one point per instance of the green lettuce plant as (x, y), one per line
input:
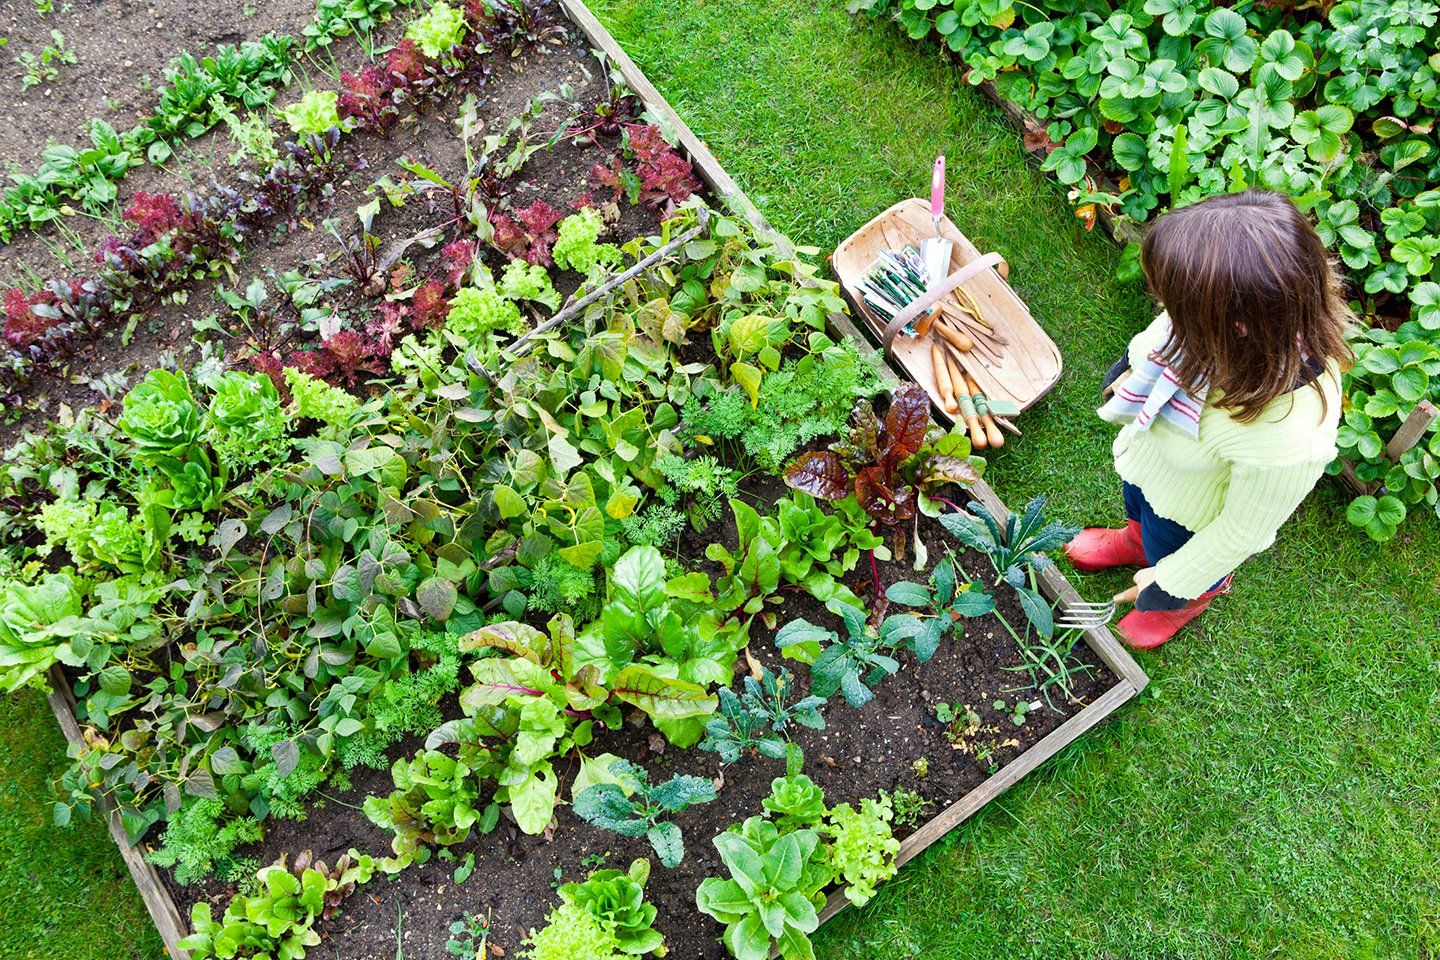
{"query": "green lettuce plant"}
(36, 625)
(528, 281)
(577, 247)
(795, 803)
(616, 898)
(316, 112)
(439, 31)
(245, 422)
(160, 417)
(277, 921)
(573, 934)
(476, 312)
(774, 891)
(314, 399)
(435, 801)
(862, 846)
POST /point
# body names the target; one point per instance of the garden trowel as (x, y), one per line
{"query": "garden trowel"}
(935, 251)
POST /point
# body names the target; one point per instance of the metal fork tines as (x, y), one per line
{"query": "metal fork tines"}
(1083, 615)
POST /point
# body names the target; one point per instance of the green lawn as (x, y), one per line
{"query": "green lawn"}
(1273, 793)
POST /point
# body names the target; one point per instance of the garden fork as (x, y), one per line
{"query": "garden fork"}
(1085, 615)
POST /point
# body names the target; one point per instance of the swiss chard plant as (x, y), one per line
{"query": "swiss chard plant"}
(628, 804)
(885, 464)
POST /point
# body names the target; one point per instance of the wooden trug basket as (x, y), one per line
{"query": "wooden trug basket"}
(1030, 362)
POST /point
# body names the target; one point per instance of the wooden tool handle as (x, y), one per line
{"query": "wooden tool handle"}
(942, 379)
(1128, 596)
(957, 338)
(978, 439)
(923, 325)
(993, 436)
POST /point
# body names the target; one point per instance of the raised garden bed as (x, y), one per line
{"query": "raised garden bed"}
(893, 743)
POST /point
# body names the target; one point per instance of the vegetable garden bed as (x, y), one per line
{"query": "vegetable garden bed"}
(992, 703)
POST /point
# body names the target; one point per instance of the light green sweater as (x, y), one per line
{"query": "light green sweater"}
(1236, 484)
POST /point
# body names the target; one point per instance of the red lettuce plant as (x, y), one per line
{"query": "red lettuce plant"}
(528, 234)
(429, 305)
(22, 325)
(886, 465)
(459, 256)
(666, 178)
(407, 62)
(367, 99)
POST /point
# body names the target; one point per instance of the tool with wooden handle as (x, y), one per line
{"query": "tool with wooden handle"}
(1084, 615)
(941, 365)
(982, 409)
(978, 440)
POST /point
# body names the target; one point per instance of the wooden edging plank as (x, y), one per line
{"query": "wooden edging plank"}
(162, 907)
(166, 913)
(1009, 775)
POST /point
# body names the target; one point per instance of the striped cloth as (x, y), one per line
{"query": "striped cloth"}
(1152, 392)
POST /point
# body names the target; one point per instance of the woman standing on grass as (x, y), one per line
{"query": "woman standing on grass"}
(1230, 401)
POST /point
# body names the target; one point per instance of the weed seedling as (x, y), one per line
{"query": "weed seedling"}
(1019, 712)
(1051, 667)
(908, 805)
(469, 936)
(45, 66)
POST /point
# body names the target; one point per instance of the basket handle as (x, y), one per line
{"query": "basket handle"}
(944, 289)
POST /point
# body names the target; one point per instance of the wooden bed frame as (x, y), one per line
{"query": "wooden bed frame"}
(174, 926)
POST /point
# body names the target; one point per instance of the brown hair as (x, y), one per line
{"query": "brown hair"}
(1245, 280)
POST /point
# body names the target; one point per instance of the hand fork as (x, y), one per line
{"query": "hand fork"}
(1086, 615)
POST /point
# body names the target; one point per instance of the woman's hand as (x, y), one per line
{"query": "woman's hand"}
(1143, 579)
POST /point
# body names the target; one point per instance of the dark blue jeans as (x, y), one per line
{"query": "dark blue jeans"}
(1160, 537)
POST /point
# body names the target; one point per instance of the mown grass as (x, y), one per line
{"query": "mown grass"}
(1273, 793)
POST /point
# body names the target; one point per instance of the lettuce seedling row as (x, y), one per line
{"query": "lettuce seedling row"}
(895, 742)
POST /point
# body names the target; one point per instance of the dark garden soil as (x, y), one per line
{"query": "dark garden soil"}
(860, 752)
(121, 50)
(559, 175)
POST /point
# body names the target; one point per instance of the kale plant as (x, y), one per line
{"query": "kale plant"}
(1015, 549)
(945, 604)
(760, 718)
(850, 665)
(631, 807)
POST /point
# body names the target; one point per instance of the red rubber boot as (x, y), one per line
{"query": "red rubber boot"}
(1097, 548)
(1147, 629)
